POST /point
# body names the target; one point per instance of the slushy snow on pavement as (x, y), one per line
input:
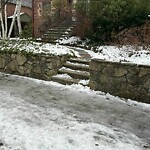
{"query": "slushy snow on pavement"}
(27, 126)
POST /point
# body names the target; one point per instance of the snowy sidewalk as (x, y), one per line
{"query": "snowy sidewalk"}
(40, 115)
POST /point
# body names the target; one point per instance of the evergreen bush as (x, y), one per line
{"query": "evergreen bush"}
(109, 17)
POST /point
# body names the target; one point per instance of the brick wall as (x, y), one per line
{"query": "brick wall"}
(38, 18)
(11, 8)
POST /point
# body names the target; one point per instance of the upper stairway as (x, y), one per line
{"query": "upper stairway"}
(59, 31)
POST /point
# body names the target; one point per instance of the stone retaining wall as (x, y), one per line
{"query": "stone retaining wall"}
(121, 79)
(40, 66)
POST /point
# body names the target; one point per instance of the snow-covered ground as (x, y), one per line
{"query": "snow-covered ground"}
(123, 54)
(132, 54)
(36, 47)
(30, 125)
(71, 41)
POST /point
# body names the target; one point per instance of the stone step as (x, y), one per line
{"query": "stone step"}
(56, 37)
(60, 29)
(58, 32)
(77, 60)
(77, 66)
(53, 39)
(75, 74)
(65, 81)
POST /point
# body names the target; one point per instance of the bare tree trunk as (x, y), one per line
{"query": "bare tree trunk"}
(18, 16)
(1, 19)
(13, 20)
(6, 27)
(2, 25)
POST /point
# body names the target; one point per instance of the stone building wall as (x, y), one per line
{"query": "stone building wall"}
(121, 79)
(38, 66)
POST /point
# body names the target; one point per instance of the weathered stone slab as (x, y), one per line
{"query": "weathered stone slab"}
(143, 72)
(50, 65)
(13, 65)
(119, 72)
(21, 59)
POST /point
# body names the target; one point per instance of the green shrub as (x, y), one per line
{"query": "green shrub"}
(109, 17)
(27, 31)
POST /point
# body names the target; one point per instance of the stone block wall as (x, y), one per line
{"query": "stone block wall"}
(40, 66)
(121, 79)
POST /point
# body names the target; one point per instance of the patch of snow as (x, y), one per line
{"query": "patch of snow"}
(36, 47)
(84, 82)
(63, 76)
(71, 41)
(69, 69)
(55, 49)
(75, 63)
(123, 54)
(138, 104)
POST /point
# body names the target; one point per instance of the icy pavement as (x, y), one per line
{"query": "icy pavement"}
(40, 115)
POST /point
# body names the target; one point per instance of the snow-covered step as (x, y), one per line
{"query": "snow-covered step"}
(67, 80)
(78, 60)
(74, 73)
(59, 30)
(64, 80)
(77, 66)
(58, 33)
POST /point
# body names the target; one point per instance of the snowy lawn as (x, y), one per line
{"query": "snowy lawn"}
(36, 47)
(132, 54)
(27, 126)
(124, 54)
